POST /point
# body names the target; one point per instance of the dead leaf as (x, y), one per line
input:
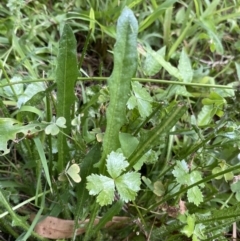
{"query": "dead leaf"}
(182, 207)
(56, 228)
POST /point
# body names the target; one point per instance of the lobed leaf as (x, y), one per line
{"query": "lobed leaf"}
(195, 176)
(105, 197)
(31, 90)
(116, 164)
(143, 99)
(103, 187)
(151, 66)
(167, 66)
(9, 128)
(189, 228)
(128, 185)
(195, 195)
(185, 67)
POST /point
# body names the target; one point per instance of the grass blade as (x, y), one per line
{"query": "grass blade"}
(82, 193)
(155, 15)
(167, 123)
(115, 209)
(43, 160)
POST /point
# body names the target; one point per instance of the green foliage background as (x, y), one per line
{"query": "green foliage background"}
(157, 82)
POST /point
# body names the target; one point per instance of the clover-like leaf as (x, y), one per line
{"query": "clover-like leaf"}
(71, 171)
(222, 166)
(228, 176)
(216, 170)
(52, 129)
(235, 187)
(158, 188)
(77, 120)
(61, 121)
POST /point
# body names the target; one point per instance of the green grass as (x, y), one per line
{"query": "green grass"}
(150, 101)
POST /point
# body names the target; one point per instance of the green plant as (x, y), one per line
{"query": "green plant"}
(155, 150)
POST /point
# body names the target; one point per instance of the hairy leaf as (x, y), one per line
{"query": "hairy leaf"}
(66, 75)
(125, 65)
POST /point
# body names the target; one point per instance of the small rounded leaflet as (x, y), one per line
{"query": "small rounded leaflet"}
(72, 172)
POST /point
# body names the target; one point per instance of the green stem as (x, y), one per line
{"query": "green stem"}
(168, 82)
(7, 78)
(185, 189)
(164, 127)
(19, 221)
(179, 40)
(91, 222)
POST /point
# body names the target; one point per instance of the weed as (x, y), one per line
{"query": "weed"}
(143, 96)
